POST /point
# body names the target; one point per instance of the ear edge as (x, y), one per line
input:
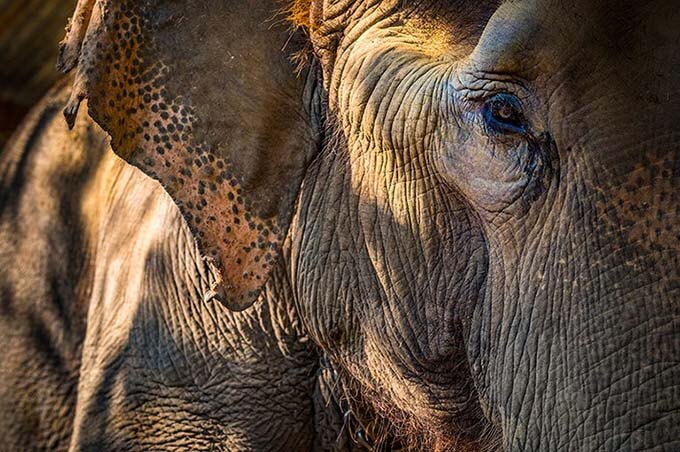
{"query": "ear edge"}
(69, 47)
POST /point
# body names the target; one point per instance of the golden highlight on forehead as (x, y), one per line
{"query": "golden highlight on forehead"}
(299, 11)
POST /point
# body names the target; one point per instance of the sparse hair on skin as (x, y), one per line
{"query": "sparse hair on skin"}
(298, 13)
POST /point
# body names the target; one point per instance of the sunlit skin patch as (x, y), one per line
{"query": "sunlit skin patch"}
(154, 133)
(434, 39)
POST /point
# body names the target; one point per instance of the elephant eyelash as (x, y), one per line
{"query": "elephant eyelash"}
(503, 114)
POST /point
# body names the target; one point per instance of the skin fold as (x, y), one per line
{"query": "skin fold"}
(434, 225)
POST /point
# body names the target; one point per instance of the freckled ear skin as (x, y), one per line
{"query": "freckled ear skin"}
(201, 95)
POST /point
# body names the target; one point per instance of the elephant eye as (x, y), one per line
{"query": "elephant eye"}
(502, 114)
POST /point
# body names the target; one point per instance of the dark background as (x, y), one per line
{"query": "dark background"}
(30, 31)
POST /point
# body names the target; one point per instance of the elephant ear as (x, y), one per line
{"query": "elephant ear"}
(202, 96)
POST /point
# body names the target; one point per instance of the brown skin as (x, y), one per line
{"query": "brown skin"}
(471, 214)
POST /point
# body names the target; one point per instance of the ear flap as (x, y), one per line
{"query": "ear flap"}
(202, 96)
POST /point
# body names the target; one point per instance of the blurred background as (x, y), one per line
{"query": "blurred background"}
(30, 31)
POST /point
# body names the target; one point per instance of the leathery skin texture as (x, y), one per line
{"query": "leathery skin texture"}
(350, 224)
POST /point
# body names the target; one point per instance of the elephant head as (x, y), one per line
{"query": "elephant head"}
(478, 201)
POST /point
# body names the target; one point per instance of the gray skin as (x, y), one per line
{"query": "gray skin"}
(472, 212)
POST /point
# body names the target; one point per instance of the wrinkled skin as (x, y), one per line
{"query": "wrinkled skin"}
(467, 211)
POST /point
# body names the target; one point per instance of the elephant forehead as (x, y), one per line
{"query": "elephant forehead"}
(584, 43)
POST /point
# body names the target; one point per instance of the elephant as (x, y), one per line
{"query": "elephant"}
(347, 225)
